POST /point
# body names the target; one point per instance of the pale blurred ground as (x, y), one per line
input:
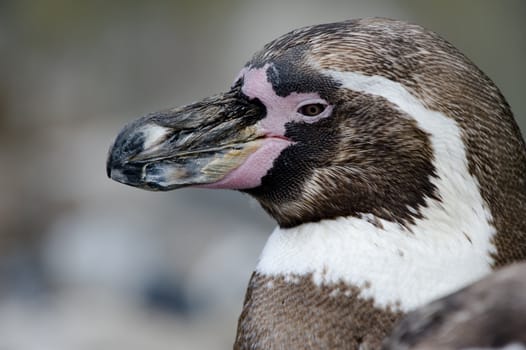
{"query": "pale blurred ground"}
(86, 263)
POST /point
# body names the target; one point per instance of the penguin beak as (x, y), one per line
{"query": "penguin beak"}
(197, 144)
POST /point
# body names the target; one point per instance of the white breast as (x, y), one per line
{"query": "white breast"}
(447, 249)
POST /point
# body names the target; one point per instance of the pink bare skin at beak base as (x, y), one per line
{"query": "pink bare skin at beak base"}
(249, 174)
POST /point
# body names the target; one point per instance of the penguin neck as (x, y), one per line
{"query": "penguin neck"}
(394, 265)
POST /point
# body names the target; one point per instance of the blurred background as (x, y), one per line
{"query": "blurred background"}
(87, 263)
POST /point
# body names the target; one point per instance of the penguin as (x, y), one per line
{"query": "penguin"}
(392, 165)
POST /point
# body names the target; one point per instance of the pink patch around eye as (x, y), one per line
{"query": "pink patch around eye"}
(280, 110)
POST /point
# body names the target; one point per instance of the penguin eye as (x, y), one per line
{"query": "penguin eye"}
(312, 110)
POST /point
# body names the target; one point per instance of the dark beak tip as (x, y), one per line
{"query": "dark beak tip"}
(111, 159)
(108, 166)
